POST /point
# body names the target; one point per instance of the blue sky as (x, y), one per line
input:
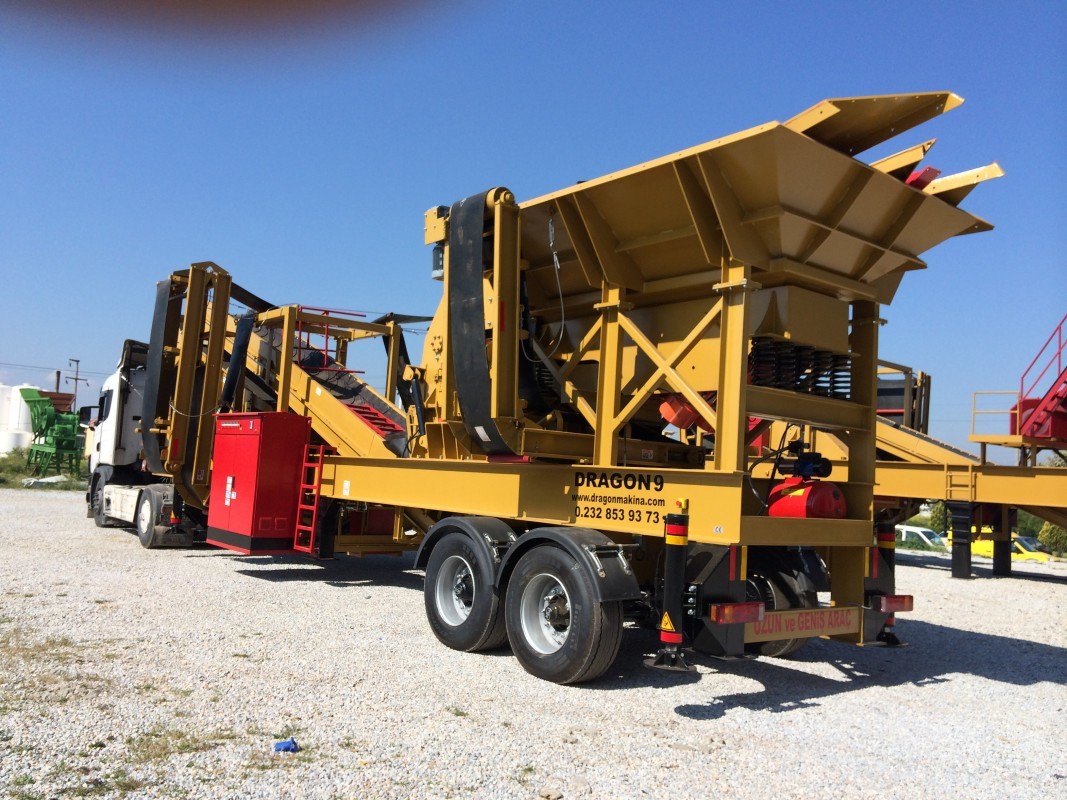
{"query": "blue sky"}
(302, 159)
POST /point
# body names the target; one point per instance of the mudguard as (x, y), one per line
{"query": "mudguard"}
(488, 533)
(603, 559)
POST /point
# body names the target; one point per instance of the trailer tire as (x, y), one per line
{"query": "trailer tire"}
(462, 605)
(145, 518)
(779, 592)
(558, 629)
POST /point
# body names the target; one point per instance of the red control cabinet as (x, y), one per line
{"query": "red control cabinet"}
(255, 481)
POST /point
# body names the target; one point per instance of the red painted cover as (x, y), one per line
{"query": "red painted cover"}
(255, 481)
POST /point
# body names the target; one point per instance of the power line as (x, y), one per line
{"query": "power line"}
(52, 369)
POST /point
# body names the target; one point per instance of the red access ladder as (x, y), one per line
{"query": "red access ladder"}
(1044, 416)
(307, 509)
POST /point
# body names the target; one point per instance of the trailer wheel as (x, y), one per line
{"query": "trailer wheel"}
(147, 513)
(461, 604)
(779, 592)
(558, 630)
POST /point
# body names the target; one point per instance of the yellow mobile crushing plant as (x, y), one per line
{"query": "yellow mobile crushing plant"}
(586, 436)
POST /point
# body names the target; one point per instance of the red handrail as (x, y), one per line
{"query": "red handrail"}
(303, 344)
(1060, 336)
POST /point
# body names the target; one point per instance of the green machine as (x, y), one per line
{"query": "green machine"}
(56, 437)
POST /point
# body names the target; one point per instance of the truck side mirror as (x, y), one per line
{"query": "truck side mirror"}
(85, 416)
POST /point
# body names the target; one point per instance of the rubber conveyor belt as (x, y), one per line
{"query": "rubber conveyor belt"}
(466, 319)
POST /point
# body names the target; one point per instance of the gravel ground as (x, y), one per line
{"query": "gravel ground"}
(134, 673)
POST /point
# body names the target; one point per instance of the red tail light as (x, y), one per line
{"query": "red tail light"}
(731, 613)
(890, 604)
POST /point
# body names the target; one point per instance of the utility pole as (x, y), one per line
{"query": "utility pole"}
(75, 380)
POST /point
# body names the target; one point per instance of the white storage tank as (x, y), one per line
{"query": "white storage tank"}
(16, 424)
(18, 418)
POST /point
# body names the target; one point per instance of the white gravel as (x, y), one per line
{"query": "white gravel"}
(134, 673)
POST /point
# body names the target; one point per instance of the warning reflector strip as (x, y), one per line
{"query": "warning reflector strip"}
(805, 623)
(731, 613)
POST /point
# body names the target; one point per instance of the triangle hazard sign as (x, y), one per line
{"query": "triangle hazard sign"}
(665, 624)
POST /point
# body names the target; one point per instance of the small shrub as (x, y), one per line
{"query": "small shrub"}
(939, 518)
(918, 544)
(1054, 538)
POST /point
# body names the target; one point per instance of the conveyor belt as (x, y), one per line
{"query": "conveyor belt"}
(466, 320)
(916, 466)
(906, 444)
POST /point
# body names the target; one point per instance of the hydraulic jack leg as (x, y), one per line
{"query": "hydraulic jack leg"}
(676, 542)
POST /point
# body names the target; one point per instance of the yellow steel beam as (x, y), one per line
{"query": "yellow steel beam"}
(854, 124)
(285, 356)
(788, 271)
(901, 165)
(953, 188)
(731, 402)
(975, 483)
(623, 500)
(609, 376)
(505, 316)
(702, 211)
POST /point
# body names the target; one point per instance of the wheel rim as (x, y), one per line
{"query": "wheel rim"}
(454, 591)
(545, 613)
(144, 516)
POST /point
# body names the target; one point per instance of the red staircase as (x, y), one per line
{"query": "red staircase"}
(376, 420)
(1041, 413)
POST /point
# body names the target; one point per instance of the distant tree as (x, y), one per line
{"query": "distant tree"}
(919, 521)
(1054, 538)
(939, 518)
(1028, 524)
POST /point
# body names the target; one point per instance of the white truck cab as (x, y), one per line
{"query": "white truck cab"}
(116, 437)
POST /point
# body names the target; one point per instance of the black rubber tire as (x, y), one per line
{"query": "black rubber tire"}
(779, 592)
(583, 641)
(462, 606)
(145, 518)
(101, 519)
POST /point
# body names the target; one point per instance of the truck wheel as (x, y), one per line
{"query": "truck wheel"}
(101, 519)
(558, 630)
(461, 604)
(147, 513)
(779, 592)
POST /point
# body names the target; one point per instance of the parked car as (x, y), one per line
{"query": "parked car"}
(1031, 543)
(1021, 549)
(915, 535)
